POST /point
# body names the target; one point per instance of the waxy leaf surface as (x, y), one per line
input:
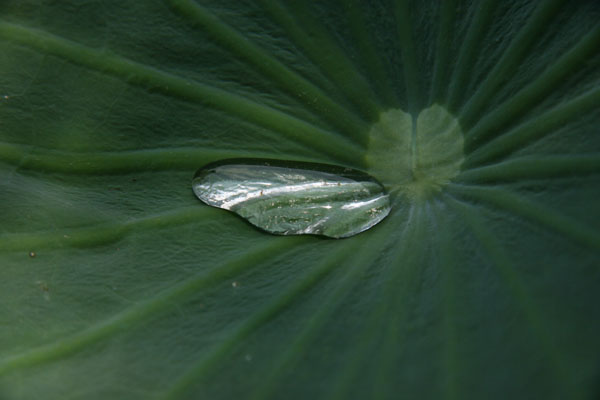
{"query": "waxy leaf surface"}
(480, 118)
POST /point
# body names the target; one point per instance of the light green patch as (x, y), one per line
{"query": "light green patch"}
(415, 160)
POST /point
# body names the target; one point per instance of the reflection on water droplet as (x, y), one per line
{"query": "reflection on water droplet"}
(294, 198)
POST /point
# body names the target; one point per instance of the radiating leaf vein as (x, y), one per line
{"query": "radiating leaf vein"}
(145, 76)
(141, 311)
(503, 199)
(296, 85)
(538, 325)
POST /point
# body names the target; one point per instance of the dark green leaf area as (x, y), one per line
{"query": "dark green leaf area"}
(480, 118)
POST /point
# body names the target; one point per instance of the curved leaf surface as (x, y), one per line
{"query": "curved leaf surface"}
(117, 283)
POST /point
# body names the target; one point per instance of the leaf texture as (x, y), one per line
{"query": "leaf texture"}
(117, 283)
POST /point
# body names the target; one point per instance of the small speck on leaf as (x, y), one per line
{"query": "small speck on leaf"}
(43, 286)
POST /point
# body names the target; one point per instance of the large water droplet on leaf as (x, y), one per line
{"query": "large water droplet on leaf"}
(294, 198)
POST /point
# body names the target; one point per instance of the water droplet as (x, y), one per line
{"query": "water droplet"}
(294, 198)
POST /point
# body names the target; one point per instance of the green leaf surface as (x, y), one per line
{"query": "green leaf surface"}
(117, 282)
